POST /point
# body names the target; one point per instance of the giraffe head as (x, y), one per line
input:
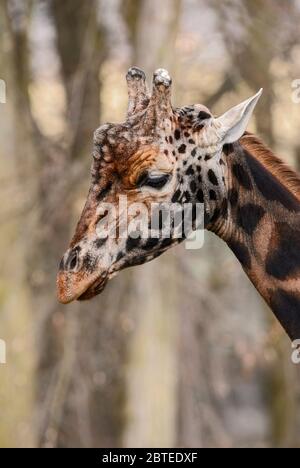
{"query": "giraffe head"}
(159, 157)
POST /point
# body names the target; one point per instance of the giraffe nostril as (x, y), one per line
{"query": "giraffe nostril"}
(73, 259)
(73, 262)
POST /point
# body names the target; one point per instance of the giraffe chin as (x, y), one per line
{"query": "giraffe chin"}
(95, 289)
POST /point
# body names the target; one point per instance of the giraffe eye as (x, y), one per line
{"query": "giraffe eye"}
(157, 181)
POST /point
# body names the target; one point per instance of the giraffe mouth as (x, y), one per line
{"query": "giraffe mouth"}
(96, 288)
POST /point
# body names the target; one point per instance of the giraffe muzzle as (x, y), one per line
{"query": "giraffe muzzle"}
(74, 286)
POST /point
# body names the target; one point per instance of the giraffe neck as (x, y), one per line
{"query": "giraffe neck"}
(262, 227)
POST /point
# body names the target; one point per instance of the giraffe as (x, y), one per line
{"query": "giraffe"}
(250, 198)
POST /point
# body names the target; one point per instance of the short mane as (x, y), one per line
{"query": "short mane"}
(281, 171)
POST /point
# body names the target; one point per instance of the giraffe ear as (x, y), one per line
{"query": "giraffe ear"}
(233, 123)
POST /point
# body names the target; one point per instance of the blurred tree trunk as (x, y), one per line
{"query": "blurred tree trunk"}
(79, 378)
(75, 26)
(80, 45)
(17, 160)
(252, 53)
(76, 367)
(160, 21)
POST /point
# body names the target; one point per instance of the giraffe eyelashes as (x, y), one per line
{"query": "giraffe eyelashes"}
(156, 181)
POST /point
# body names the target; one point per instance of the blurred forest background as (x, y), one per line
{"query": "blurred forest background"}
(177, 353)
